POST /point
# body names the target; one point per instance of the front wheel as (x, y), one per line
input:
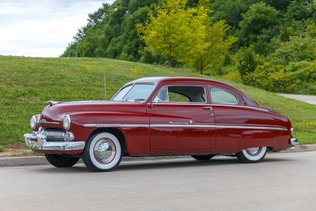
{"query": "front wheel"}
(252, 155)
(61, 161)
(103, 152)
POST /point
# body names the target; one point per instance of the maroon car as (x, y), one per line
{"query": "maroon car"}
(159, 116)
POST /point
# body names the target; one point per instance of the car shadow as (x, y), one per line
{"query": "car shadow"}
(185, 163)
(150, 164)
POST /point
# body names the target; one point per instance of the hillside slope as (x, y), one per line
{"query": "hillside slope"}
(27, 83)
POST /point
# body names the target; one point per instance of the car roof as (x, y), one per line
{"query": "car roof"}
(179, 79)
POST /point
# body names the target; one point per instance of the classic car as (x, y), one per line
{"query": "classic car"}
(159, 116)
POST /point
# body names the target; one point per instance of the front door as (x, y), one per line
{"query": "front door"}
(181, 122)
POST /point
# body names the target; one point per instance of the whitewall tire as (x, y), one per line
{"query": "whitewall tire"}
(103, 152)
(252, 155)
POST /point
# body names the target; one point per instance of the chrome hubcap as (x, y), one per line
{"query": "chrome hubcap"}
(104, 151)
(254, 151)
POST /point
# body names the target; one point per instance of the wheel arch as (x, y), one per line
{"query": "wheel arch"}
(115, 131)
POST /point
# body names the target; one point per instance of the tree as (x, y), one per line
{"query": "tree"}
(186, 35)
(230, 10)
(298, 48)
(247, 63)
(172, 32)
(211, 50)
(300, 10)
(258, 26)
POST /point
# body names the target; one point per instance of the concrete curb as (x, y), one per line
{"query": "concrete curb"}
(22, 161)
(302, 148)
(41, 160)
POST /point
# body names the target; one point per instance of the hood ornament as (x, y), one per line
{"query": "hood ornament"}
(51, 102)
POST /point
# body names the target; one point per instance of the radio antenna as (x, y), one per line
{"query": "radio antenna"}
(104, 87)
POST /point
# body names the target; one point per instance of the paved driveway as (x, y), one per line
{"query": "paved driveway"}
(284, 181)
(305, 98)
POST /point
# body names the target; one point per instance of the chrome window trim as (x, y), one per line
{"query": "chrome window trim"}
(241, 106)
(170, 125)
(179, 103)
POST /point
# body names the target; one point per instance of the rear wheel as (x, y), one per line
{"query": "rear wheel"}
(61, 161)
(202, 157)
(252, 155)
(103, 152)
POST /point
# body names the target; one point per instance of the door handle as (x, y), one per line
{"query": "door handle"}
(208, 108)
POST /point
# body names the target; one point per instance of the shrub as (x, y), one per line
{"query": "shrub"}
(270, 77)
(247, 63)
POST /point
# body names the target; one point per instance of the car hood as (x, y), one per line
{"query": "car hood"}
(57, 110)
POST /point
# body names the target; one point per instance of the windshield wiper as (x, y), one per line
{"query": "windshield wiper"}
(139, 99)
(133, 100)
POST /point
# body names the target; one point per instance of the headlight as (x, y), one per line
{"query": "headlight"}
(67, 122)
(33, 122)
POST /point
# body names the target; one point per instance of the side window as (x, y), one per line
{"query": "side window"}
(220, 96)
(181, 94)
(162, 96)
(178, 98)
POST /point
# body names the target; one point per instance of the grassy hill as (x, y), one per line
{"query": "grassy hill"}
(26, 83)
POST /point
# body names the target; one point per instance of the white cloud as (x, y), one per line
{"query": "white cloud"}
(42, 28)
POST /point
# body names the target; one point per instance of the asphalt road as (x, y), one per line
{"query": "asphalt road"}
(311, 99)
(283, 181)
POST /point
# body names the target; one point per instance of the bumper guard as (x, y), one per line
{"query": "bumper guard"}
(293, 141)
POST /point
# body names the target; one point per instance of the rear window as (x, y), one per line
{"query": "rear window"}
(220, 96)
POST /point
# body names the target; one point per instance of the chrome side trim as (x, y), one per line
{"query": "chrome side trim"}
(250, 127)
(117, 125)
(181, 126)
(240, 106)
(186, 126)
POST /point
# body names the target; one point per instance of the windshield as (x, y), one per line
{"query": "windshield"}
(134, 92)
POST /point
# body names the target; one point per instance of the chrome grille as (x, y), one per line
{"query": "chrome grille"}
(54, 135)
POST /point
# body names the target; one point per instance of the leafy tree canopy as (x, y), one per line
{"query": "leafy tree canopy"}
(186, 35)
(275, 39)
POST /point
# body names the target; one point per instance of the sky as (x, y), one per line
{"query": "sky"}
(42, 28)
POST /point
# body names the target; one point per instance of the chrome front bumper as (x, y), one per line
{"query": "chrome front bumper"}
(38, 142)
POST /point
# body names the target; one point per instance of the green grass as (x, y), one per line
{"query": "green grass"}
(27, 83)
